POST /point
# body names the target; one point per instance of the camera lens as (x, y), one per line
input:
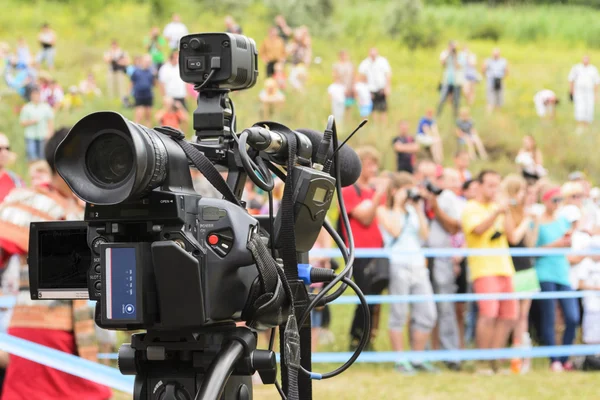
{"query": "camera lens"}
(106, 159)
(109, 159)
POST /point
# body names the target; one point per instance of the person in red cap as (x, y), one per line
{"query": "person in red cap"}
(553, 273)
(486, 225)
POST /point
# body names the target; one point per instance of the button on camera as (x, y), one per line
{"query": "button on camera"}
(96, 244)
(129, 309)
(195, 63)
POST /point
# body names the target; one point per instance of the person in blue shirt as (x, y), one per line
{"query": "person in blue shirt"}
(553, 274)
(142, 81)
(428, 136)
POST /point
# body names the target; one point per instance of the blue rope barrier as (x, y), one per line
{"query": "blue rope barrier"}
(9, 301)
(67, 363)
(446, 355)
(460, 355)
(453, 298)
(452, 252)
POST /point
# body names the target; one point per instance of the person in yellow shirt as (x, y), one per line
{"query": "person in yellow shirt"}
(486, 225)
(272, 50)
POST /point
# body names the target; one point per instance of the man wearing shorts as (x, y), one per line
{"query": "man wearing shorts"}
(379, 74)
(485, 227)
(142, 82)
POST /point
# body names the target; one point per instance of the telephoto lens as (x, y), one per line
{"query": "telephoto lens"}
(106, 159)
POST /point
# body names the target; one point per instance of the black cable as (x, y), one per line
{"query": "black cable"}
(346, 222)
(349, 259)
(280, 390)
(266, 183)
(210, 75)
(271, 228)
(341, 277)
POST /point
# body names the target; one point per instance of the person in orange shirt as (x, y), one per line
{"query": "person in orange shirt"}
(272, 50)
(171, 114)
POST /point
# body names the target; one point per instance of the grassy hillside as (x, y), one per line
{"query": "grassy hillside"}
(541, 44)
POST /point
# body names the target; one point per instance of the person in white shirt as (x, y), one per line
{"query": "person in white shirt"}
(174, 31)
(337, 95)
(589, 279)
(379, 77)
(584, 80)
(545, 102)
(170, 82)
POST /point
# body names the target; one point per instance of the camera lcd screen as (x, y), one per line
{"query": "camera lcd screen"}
(121, 283)
(319, 194)
(64, 259)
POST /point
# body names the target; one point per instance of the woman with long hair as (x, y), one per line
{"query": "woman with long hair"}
(524, 234)
(404, 226)
(530, 158)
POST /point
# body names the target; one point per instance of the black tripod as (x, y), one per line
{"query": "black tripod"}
(217, 363)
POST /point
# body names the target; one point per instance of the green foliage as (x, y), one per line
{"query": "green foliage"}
(404, 20)
(401, 15)
(443, 2)
(487, 31)
(313, 13)
(422, 34)
(541, 43)
(532, 32)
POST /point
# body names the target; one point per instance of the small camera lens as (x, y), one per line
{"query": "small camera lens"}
(109, 159)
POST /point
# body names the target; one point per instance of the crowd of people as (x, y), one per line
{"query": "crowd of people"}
(421, 204)
(437, 207)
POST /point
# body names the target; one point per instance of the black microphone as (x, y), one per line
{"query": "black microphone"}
(270, 140)
(350, 165)
(273, 143)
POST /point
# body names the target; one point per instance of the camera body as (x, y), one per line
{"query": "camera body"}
(166, 261)
(433, 189)
(413, 194)
(233, 58)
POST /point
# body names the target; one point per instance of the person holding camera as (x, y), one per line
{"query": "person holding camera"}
(452, 78)
(486, 225)
(446, 209)
(116, 59)
(63, 325)
(555, 231)
(362, 200)
(403, 226)
(495, 70)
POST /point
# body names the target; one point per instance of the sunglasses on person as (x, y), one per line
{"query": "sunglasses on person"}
(557, 200)
(5, 148)
(577, 196)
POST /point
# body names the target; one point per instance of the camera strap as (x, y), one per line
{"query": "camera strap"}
(202, 163)
(292, 348)
(271, 298)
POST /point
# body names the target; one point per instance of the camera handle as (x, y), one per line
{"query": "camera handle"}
(211, 365)
(214, 126)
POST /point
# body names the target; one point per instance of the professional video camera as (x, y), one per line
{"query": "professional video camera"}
(156, 255)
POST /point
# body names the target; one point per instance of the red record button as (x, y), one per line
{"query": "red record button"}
(213, 239)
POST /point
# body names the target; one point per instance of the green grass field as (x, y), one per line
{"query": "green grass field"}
(541, 43)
